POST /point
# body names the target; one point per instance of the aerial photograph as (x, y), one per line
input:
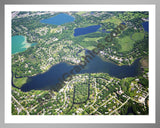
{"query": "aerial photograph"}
(80, 63)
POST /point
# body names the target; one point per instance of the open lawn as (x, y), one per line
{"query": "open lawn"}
(126, 44)
(137, 36)
(88, 44)
(92, 39)
(81, 12)
(113, 20)
(18, 82)
(90, 47)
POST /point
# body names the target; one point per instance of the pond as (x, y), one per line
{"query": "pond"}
(19, 44)
(86, 30)
(59, 19)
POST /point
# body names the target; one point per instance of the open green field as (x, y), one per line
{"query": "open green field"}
(126, 44)
(88, 44)
(113, 20)
(18, 82)
(92, 39)
(81, 12)
(138, 36)
(90, 47)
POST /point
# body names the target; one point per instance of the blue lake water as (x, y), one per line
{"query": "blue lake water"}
(53, 76)
(146, 26)
(19, 44)
(59, 19)
(86, 30)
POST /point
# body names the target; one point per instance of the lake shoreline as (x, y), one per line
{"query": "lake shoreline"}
(69, 63)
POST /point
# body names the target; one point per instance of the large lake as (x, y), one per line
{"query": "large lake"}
(86, 30)
(19, 44)
(59, 19)
(49, 79)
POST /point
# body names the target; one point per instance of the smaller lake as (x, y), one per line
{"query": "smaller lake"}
(59, 19)
(86, 30)
(19, 44)
(145, 26)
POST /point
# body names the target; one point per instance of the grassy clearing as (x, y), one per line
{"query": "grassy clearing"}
(126, 43)
(90, 47)
(113, 20)
(88, 44)
(18, 82)
(81, 12)
(91, 39)
(138, 36)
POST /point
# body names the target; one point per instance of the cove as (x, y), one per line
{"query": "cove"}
(53, 76)
(19, 44)
(86, 30)
(59, 19)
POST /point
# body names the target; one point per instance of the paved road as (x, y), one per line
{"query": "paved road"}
(20, 105)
